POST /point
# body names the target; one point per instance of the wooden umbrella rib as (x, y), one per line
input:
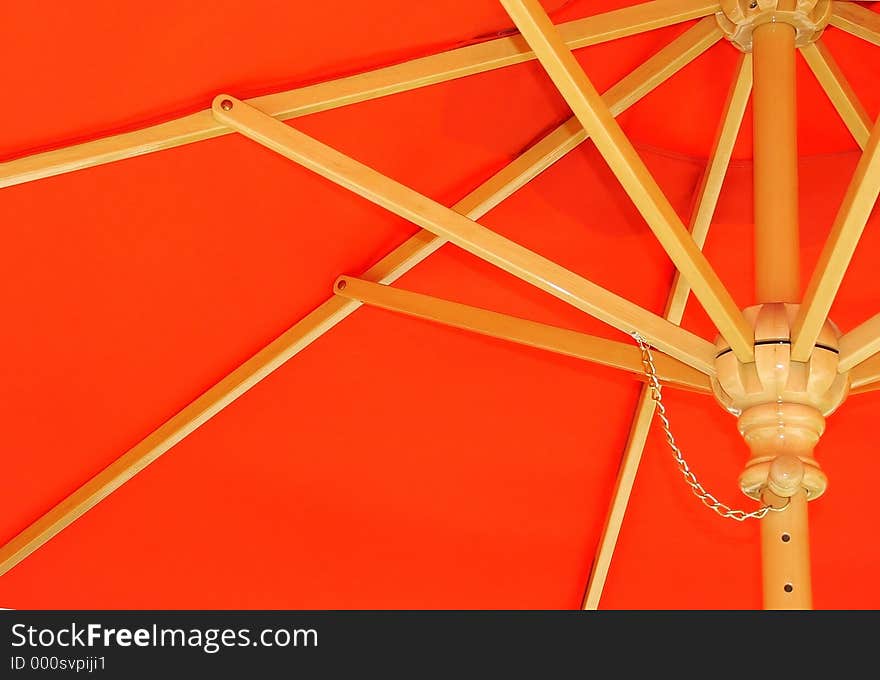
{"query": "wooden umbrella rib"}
(851, 219)
(417, 248)
(623, 356)
(701, 218)
(437, 68)
(262, 364)
(623, 486)
(776, 208)
(463, 232)
(860, 344)
(839, 91)
(637, 181)
(866, 376)
(858, 21)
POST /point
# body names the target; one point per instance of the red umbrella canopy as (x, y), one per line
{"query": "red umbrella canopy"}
(394, 462)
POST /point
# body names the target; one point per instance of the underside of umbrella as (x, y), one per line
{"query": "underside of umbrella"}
(572, 182)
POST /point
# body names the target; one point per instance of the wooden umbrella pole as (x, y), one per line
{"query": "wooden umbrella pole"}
(784, 535)
(777, 253)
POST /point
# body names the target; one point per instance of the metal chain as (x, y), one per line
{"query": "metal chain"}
(707, 498)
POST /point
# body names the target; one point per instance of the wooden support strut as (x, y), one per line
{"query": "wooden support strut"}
(275, 354)
(785, 553)
(858, 203)
(860, 343)
(279, 351)
(701, 219)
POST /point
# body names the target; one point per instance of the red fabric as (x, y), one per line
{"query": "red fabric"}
(394, 463)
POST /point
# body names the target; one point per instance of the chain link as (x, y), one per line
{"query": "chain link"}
(707, 498)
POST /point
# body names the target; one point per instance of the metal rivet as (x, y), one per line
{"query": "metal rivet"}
(786, 538)
(788, 588)
(226, 105)
(753, 5)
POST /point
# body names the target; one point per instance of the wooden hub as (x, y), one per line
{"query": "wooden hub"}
(739, 19)
(781, 404)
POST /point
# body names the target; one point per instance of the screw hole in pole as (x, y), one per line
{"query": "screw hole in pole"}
(788, 587)
(341, 285)
(786, 538)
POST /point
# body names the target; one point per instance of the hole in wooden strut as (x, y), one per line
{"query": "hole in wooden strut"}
(341, 285)
(788, 587)
(786, 538)
(226, 105)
